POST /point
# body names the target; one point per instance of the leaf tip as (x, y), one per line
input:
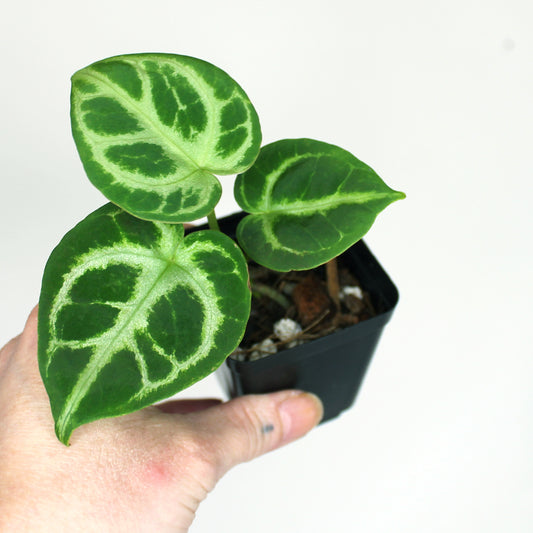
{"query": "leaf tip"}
(400, 195)
(63, 431)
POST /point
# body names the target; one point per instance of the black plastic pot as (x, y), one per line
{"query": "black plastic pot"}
(332, 367)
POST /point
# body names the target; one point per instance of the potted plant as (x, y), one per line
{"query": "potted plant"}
(132, 309)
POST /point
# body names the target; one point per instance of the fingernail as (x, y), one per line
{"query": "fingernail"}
(300, 413)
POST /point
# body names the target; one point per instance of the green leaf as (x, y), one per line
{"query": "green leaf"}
(132, 312)
(309, 201)
(153, 129)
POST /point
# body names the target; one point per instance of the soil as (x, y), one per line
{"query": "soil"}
(305, 299)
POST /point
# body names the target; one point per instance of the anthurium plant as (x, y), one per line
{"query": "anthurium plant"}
(132, 309)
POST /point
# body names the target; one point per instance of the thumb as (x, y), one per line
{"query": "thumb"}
(249, 426)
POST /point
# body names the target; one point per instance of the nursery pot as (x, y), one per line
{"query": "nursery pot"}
(332, 367)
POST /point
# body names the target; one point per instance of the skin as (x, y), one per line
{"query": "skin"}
(147, 471)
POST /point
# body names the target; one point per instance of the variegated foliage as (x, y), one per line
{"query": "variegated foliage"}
(153, 129)
(132, 311)
(309, 201)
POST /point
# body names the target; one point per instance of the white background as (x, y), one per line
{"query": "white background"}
(438, 98)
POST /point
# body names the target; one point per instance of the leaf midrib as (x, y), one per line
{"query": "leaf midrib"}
(336, 201)
(95, 364)
(132, 103)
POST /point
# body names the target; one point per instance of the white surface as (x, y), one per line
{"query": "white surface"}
(438, 98)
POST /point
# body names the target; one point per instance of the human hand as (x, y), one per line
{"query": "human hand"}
(146, 471)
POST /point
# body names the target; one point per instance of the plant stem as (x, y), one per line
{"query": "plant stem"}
(212, 221)
(273, 294)
(332, 276)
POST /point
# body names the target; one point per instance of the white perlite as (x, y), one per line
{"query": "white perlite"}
(286, 329)
(354, 291)
(262, 349)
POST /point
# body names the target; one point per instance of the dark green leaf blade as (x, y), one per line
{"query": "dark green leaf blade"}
(132, 312)
(309, 201)
(153, 129)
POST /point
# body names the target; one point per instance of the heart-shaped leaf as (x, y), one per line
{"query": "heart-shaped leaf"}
(309, 201)
(152, 129)
(132, 312)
